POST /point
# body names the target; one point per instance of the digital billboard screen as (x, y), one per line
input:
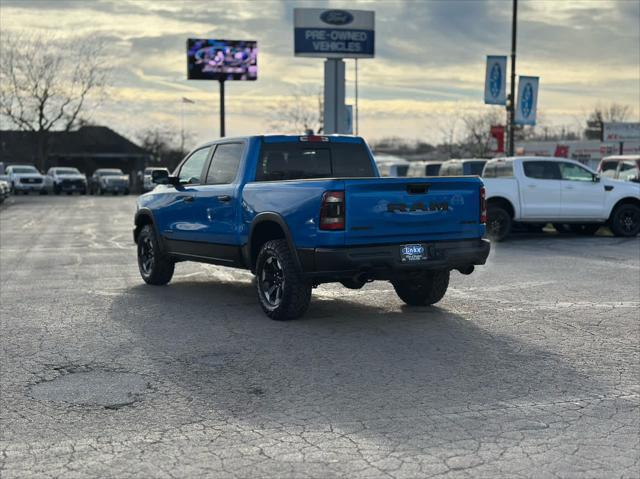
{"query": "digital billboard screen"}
(222, 59)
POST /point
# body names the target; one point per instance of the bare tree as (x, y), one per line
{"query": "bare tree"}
(477, 134)
(448, 127)
(613, 112)
(302, 112)
(45, 83)
(164, 144)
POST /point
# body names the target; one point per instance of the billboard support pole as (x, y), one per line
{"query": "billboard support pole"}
(512, 96)
(221, 108)
(356, 96)
(334, 108)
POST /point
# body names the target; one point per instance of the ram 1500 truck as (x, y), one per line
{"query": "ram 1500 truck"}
(299, 211)
(537, 190)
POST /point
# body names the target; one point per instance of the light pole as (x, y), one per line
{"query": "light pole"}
(512, 96)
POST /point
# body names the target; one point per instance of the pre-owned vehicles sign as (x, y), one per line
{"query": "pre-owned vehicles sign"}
(334, 33)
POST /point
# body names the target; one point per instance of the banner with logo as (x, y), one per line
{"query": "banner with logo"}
(495, 82)
(527, 100)
(333, 33)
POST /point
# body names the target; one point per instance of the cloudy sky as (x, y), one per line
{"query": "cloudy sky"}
(428, 70)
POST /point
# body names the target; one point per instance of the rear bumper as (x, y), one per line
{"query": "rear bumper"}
(383, 262)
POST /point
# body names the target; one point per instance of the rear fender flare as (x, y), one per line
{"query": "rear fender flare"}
(279, 220)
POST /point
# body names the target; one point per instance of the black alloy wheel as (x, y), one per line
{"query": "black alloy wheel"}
(498, 224)
(272, 282)
(283, 292)
(625, 220)
(147, 253)
(155, 267)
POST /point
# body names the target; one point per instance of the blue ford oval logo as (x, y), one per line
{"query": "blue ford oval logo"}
(336, 17)
(495, 80)
(526, 102)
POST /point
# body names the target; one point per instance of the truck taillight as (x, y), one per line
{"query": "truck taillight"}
(483, 206)
(332, 211)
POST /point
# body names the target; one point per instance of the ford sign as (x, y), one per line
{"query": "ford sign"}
(336, 17)
(495, 80)
(526, 102)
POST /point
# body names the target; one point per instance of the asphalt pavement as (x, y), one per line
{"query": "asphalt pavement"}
(528, 368)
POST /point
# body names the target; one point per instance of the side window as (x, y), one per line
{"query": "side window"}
(192, 168)
(609, 168)
(542, 170)
(504, 169)
(490, 170)
(574, 172)
(225, 163)
(629, 171)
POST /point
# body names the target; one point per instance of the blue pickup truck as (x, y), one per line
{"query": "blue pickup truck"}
(299, 211)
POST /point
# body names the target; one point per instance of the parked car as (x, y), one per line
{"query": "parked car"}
(389, 165)
(109, 180)
(25, 179)
(467, 166)
(147, 182)
(5, 190)
(66, 180)
(622, 167)
(301, 211)
(540, 190)
(424, 168)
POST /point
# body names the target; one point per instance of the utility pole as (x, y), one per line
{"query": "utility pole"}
(512, 96)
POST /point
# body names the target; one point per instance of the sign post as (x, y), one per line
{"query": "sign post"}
(334, 35)
(221, 81)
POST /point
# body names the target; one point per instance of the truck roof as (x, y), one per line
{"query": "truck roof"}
(288, 138)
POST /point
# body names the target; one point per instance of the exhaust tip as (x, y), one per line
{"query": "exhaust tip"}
(466, 269)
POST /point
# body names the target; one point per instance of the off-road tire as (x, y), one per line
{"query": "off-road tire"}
(498, 223)
(161, 269)
(424, 291)
(295, 292)
(625, 220)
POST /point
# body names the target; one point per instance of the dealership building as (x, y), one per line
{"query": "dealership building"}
(87, 148)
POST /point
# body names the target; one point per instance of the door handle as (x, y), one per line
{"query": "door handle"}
(531, 186)
(187, 199)
(224, 198)
(568, 188)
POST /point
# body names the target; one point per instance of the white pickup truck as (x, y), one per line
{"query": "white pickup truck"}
(538, 190)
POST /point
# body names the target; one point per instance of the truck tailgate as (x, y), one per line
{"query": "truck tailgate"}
(392, 210)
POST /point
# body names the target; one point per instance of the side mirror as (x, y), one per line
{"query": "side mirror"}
(160, 177)
(595, 178)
